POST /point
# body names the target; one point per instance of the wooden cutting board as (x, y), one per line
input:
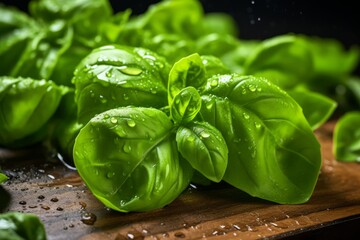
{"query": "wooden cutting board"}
(45, 187)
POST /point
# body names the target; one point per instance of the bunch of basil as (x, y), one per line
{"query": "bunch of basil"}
(146, 104)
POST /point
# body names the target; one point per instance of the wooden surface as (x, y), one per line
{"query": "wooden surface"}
(69, 211)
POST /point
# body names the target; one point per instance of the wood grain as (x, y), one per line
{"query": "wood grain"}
(45, 187)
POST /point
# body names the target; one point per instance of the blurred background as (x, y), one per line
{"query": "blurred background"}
(261, 19)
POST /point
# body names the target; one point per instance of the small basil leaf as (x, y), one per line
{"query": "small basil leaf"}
(317, 107)
(129, 160)
(188, 71)
(203, 146)
(346, 140)
(3, 177)
(117, 76)
(185, 106)
(273, 152)
(17, 225)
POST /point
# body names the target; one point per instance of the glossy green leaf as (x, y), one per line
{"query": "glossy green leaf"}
(346, 139)
(317, 107)
(188, 71)
(19, 226)
(213, 65)
(3, 177)
(114, 76)
(273, 152)
(26, 105)
(204, 148)
(284, 60)
(185, 106)
(129, 159)
(81, 15)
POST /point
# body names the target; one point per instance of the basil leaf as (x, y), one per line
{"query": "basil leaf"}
(213, 65)
(185, 106)
(115, 76)
(3, 177)
(317, 107)
(278, 60)
(346, 140)
(26, 106)
(188, 71)
(128, 158)
(273, 152)
(204, 148)
(17, 226)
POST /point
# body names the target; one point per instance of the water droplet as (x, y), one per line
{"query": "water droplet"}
(102, 99)
(88, 218)
(41, 197)
(22, 202)
(108, 74)
(45, 207)
(243, 91)
(179, 235)
(246, 116)
(252, 88)
(257, 125)
(113, 120)
(127, 148)
(204, 134)
(54, 199)
(59, 209)
(209, 105)
(125, 96)
(214, 83)
(110, 174)
(106, 116)
(131, 71)
(131, 123)
(191, 139)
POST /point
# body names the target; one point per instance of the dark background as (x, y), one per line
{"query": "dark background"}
(261, 19)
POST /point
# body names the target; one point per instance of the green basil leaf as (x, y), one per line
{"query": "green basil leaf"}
(128, 158)
(213, 65)
(273, 152)
(317, 107)
(17, 226)
(188, 71)
(26, 106)
(203, 146)
(185, 106)
(346, 140)
(116, 76)
(285, 60)
(81, 15)
(3, 177)
(17, 31)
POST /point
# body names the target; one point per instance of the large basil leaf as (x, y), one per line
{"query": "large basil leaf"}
(346, 140)
(317, 108)
(26, 105)
(129, 159)
(273, 153)
(114, 76)
(204, 148)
